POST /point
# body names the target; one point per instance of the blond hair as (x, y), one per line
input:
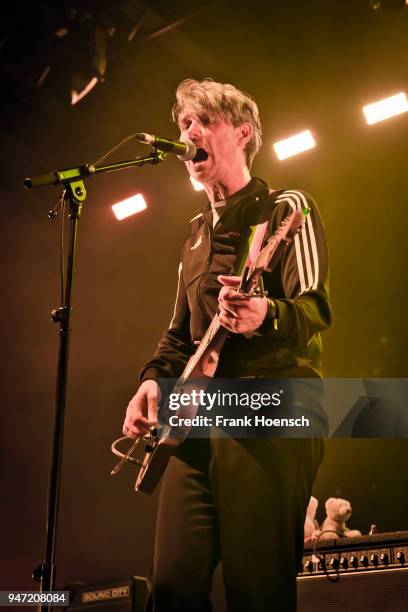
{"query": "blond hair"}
(220, 100)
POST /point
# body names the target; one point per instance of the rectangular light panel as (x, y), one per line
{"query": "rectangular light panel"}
(294, 144)
(384, 109)
(130, 206)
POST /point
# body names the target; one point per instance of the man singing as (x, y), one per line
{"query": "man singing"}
(241, 501)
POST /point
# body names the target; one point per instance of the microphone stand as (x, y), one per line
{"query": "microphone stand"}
(74, 192)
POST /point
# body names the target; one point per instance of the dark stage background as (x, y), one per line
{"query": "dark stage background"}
(309, 65)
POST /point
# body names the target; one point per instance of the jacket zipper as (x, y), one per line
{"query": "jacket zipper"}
(206, 268)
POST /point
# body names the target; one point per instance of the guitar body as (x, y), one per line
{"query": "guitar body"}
(164, 441)
(153, 466)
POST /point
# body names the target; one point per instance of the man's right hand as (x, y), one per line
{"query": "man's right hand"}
(141, 413)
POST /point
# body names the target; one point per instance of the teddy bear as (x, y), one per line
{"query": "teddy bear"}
(311, 525)
(338, 512)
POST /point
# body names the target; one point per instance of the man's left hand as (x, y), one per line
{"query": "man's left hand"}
(239, 314)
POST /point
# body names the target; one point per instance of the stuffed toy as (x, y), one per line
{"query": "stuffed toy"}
(311, 525)
(338, 512)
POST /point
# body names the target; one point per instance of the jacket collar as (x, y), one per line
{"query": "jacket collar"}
(255, 186)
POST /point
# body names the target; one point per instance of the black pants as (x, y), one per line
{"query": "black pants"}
(239, 500)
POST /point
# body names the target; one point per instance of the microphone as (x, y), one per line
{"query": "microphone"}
(185, 150)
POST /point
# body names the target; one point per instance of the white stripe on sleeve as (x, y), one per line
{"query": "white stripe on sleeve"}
(309, 268)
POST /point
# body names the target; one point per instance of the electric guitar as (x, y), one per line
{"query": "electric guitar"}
(163, 440)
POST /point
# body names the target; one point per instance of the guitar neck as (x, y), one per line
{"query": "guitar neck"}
(265, 259)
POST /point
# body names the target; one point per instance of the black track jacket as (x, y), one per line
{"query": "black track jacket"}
(299, 284)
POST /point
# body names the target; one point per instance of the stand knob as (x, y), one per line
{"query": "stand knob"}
(38, 573)
(56, 315)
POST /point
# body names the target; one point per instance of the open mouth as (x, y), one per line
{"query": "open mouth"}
(200, 156)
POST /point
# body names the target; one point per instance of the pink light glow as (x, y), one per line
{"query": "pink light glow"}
(130, 206)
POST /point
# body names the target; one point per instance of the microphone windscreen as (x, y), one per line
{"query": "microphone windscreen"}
(190, 152)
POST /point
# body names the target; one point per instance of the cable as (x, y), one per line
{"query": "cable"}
(335, 576)
(62, 260)
(112, 151)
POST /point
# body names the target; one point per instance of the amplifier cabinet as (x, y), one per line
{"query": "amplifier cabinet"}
(364, 574)
(384, 590)
(127, 595)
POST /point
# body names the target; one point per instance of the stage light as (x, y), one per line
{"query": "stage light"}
(294, 144)
(129, 207)
(76, 95)
(389, 4)
(91, 70)
(384, 109)
(196, 184)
